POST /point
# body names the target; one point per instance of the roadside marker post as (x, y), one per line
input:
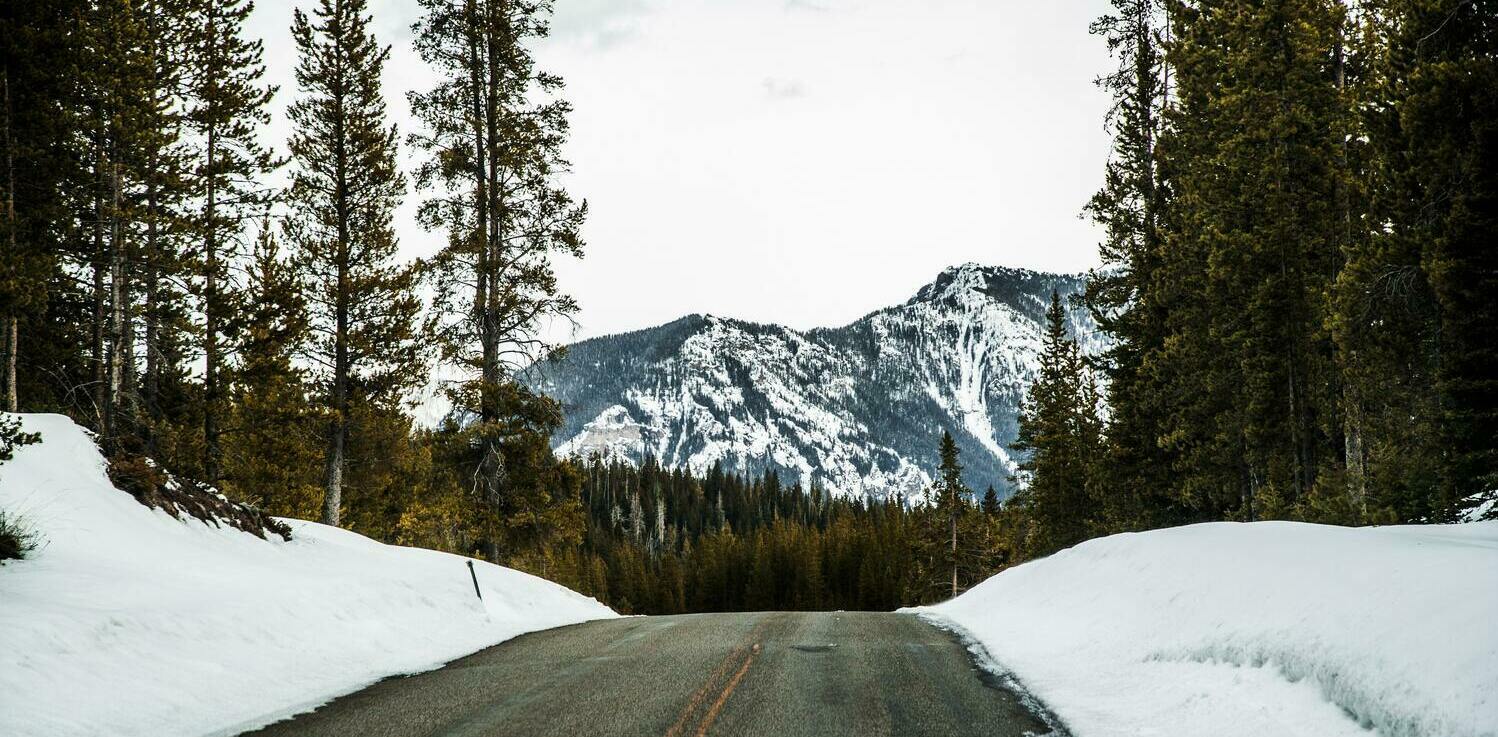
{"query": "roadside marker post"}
(475, 581)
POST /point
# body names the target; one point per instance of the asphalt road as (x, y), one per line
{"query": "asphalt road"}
(779, 674)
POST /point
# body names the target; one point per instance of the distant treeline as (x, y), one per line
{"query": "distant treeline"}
(664, 541)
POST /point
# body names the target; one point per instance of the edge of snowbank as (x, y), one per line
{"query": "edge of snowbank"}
(499, 617)
(1247, 629)
(174, 626)
(992, 668)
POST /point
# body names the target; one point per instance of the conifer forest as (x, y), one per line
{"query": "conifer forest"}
(1298, 293)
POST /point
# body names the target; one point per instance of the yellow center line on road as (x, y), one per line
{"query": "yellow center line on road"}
(702, 691)
(733, 683)
(690, 710)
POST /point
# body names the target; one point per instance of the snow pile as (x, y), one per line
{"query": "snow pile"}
(1270, 628)
(130, 622)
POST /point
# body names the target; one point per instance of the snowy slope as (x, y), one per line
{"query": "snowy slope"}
(857, 409)
(130, 622)
(1257, 629)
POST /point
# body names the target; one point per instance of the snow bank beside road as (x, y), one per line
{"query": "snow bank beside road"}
(1247, 630)
(130, 622)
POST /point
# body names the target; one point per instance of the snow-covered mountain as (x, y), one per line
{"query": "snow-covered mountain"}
(857, 409)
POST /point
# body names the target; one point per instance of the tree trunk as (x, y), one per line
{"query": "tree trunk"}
(483, 112)
(1357, 472)
(491, 469)
(11, 326)
(211, 450)
(153, 350)
(151, 385)
(338, 396)
(1352, 410)
(97, 356)
(1250, 491)
(954, 553)
(127, 398)
(12, 345)
(116, 353)
(332, 501)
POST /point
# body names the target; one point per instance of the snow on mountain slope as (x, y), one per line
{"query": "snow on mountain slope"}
(857, 409)
(1242, 630)
(175, 627)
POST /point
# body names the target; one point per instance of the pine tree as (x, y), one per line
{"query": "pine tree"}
(542, 510)
(270, 442)
(228, 110)
(97, 136)
(119, 110)
(1058, 429)
(760, 594)
(163, 205)
(1415, 318)
(494, 128)
(39, 58)
(347, 186)
(1383, 319)
(1451, 112)
(990, 502)
(948, 501)
(1123, 294)
(1253, 155)
(1099, 483)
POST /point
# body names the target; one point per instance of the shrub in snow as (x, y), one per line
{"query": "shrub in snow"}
(17, 538)
(141, 477)
(12, 437)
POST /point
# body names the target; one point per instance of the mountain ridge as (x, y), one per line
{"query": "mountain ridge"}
(856, 409)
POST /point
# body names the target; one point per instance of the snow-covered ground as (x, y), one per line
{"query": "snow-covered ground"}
(131, 622)
(1272, 628)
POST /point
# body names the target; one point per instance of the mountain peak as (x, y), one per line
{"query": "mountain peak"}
(975, 285)
(857, 410)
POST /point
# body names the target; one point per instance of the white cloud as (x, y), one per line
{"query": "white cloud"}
(783, 89)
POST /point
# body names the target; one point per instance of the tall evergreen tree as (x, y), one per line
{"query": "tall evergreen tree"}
(949, 502)
(119, 107)
(990, 501)
(347, 186)
(40, 55)
(1253, 153)
(228, 110)
(270, 447)
(1123, 294)
(164, 204)
(494, 128)
(1415, 319)
(1059, 431)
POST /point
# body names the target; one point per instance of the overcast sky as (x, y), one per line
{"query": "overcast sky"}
(798, 161)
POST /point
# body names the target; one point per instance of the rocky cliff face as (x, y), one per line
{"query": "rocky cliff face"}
(857, 409)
